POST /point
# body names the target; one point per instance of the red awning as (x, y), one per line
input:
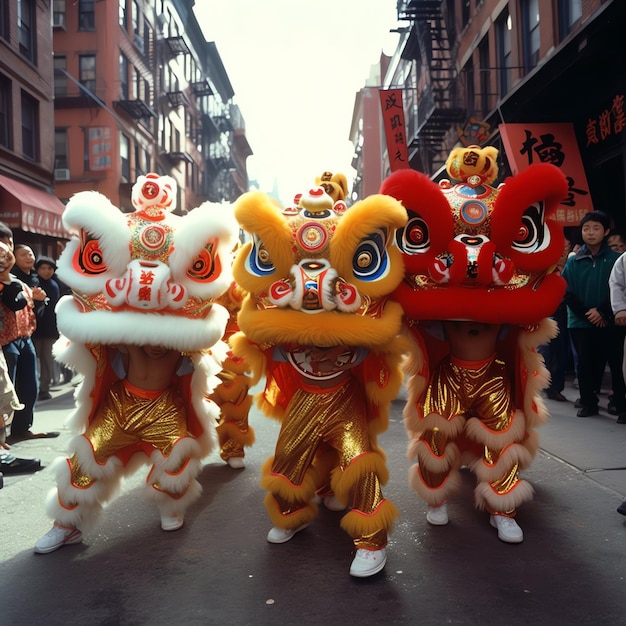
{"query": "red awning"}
(31, 209)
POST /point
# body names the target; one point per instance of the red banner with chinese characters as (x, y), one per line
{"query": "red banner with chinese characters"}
(526, 144)
(395, 129)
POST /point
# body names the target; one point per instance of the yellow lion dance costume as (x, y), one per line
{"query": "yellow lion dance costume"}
(317, 322)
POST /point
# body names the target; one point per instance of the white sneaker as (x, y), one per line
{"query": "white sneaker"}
(171, 522)
(282, 535)
(368, 562)
(437, 515)
(236, 462)
(332, 504)
(57, 537)
(508, 529)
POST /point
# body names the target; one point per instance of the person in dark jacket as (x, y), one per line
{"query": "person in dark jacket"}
(597, 340)
(46, 332)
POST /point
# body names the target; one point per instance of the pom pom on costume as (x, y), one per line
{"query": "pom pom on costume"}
(143, 329)
(318, 323)
(232, 394)
(480, 281)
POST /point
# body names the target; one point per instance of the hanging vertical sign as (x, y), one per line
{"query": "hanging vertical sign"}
(526, 144)
(395, 130)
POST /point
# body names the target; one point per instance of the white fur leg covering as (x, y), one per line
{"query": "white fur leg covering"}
(79, 507)
(171, 483)
(513, 454)
(437, 496)
(485, 498)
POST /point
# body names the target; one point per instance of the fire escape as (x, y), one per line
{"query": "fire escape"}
(429, 45)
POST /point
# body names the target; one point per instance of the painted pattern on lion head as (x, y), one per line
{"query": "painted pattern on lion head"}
(318, 273)
(478, 252)
(146, 277)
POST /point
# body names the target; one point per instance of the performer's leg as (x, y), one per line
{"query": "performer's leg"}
(84, 483)
(171, 483)
(435, 477)
(289, 476)
(358, 479)
(232, 396)
(502, 433)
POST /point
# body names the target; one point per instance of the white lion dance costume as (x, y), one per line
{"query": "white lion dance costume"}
(144, 283)
(480, 285)
(317, 322)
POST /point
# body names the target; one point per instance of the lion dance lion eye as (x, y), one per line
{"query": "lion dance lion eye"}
(91, 260)
(204, 267)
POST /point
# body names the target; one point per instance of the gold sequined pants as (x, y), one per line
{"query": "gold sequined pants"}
(484, 393)
(336, 418)
(126, 418)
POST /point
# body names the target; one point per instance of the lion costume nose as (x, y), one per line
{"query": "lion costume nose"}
(146, 285)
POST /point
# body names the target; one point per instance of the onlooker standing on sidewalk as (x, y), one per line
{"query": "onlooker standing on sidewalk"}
(617, 288)
(46, 332)
(18, 323)
(596, 338)
(617, 241)
(557, 353)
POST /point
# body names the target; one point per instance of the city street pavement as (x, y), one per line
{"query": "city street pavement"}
(219, 568)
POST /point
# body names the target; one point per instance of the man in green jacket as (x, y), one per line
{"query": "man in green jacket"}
(596, 338)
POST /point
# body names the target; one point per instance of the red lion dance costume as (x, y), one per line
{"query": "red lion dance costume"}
(318, 324)
(479, 287)
(144, 285)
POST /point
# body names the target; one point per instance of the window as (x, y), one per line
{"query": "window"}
(87, 71)
(134, 16)
(26, 28)
(5, 33)
(5, 112)
(485, 76)
(530, 33)
(146, 93)
(122, 13)
(470, 92)
(146, 37)
(503, 42)
(61, 148)
(465, 13)
(60, 79)
(138, 170)
(570, 11)
(58, 13)
(137, 85)
(86, 15)
(125, 156)
(123, 77)
(147, 161)
(30, 127)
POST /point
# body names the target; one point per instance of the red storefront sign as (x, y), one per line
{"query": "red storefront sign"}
(526, 144)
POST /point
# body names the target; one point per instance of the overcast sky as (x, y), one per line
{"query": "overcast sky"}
(295, 68)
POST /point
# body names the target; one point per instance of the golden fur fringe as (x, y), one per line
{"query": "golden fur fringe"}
(343, 482)
(230, 430)
(283, 488)
(254, 358)
(358, 524)
(306, 514)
